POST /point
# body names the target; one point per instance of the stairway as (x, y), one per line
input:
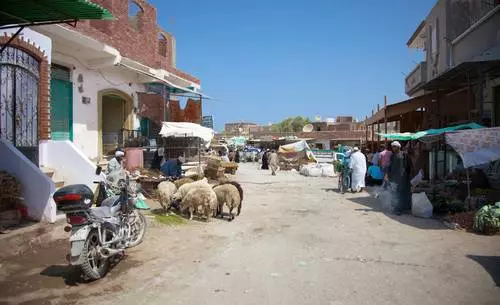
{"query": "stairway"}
(51, 173)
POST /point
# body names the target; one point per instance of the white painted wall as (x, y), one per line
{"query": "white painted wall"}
(37, 188)
(85, 116)
(70, 164)
(42, 41)
(326, 143)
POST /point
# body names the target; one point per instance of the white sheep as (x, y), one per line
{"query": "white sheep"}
(184, 189)
(166, 191)
(230, 195)
(200, 197)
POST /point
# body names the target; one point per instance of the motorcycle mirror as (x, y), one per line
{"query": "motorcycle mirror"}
(98, 170)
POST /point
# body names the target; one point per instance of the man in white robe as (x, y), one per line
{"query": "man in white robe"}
(358, 167)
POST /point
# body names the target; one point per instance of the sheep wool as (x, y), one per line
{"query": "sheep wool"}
(180, 182)
(166, 191)
(228, 194)
(183, 190)
(200, 197)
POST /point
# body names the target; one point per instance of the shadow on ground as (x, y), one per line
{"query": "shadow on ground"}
(491, 264)
(375, 205)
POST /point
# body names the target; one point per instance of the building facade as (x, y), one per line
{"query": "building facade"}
(461, 44)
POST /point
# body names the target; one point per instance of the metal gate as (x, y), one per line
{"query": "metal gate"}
(19, 84)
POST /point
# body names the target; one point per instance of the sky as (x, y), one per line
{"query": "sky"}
(265, 60)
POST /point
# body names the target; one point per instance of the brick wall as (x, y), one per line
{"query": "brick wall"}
(140, 43)
(191, 113)
(44, 86)
(153, 107)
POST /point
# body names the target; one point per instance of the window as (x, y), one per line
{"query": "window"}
(134, 14)
(162, 45)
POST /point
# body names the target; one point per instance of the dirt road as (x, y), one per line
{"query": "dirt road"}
(296, 242)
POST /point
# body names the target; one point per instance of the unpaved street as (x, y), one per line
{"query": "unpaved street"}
(296, 242)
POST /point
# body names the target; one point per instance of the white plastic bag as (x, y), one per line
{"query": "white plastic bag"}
(314, 172)
(421, 206)
(385, 197)
(416, 180)
(327, 170)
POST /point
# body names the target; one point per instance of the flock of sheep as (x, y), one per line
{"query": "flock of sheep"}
(199, 196)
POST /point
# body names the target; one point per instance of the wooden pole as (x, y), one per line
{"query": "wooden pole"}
(378, 128)
(385, 114)
(366, 131)
(372, 132)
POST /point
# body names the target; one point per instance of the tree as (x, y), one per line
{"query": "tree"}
(291, 124)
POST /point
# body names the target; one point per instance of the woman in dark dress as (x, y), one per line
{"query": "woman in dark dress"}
(265, 160)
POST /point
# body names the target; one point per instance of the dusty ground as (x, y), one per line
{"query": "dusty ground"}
(296, 242)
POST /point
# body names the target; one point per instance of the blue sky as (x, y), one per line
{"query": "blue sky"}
(269, 59)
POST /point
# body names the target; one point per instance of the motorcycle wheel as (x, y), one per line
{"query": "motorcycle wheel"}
(94, 266)
(138, 229)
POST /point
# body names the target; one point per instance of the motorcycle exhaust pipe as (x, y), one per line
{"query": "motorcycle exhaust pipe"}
(106, 252)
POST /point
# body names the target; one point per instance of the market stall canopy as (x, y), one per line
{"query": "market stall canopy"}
(184, 129)
(477, 146)
(408, 136)
(17, 13)
(238, 141)
(297, 147)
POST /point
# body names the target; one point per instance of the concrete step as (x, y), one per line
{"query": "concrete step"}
(51, 173)
(48, 171)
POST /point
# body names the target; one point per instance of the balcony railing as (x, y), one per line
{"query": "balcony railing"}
(416, 79)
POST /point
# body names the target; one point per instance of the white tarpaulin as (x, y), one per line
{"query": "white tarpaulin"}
(291, 150)
(476, 146)
(180, 130)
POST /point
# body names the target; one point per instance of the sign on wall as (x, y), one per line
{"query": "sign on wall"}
(207, 121)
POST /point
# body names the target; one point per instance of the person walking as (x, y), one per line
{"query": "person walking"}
(358, 168)
(265, 160)
(273, 162)
(399, 174)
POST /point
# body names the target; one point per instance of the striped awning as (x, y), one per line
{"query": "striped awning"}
(36, 12)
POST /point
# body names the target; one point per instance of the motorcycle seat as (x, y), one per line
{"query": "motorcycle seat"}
(110, 207)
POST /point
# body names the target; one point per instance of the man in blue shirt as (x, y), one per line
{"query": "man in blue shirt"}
(173, 167)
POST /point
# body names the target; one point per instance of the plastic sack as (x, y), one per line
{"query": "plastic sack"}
(327, 170)
(314, 172)
(385, 197)
(421, 206)
(416, 180)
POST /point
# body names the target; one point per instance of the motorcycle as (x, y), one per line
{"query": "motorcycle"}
(100, 233)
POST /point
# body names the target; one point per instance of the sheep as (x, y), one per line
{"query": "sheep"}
(182, 181)
(166, 191)
(200, 197)
(228, 194)
(184, 189)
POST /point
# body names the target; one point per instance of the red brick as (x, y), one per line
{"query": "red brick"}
(141, 45)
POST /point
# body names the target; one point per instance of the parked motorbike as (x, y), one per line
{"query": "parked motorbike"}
(100, 233)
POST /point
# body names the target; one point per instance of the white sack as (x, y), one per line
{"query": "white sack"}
(421, 206)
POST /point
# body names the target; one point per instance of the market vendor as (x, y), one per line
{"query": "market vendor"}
(399, 173)
(173, 167)
(116, 164)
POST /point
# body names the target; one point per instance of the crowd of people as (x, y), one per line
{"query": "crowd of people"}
(388, 165)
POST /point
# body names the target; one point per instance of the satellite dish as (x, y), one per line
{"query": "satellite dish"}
(308, 128)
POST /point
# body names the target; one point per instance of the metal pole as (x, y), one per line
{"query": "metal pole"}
(468, 182)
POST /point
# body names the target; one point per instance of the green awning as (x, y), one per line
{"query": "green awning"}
(407, 136)
(36, 12)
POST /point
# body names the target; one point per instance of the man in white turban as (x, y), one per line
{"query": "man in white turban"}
(116, 164)
(358, 167)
